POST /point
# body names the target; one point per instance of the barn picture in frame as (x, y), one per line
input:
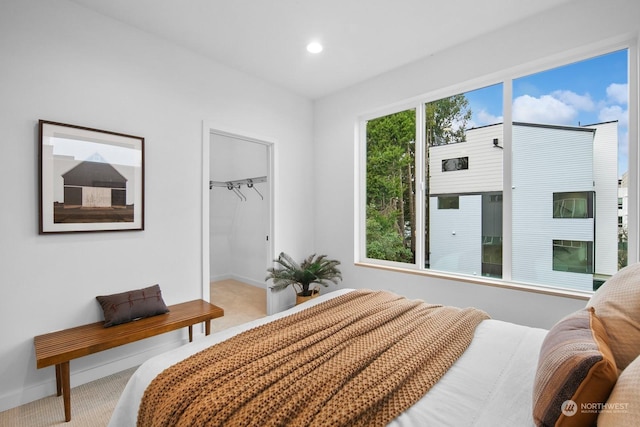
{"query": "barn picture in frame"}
(90, 179)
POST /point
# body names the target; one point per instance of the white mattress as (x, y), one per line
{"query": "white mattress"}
(491, 384)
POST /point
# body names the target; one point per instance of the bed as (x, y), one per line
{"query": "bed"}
(490, 384)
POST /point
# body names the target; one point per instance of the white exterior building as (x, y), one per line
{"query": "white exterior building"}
(565, 204)
(623, 201)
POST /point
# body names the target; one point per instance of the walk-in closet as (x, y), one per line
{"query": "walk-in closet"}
(239, 206)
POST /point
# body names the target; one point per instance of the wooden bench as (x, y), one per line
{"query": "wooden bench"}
(58, 348)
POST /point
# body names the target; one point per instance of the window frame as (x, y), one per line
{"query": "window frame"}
(505, 78)
(589, 204)
(571, 244)
(460, 163)
(447, 202)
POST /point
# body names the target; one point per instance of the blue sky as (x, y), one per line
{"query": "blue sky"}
(582, 93)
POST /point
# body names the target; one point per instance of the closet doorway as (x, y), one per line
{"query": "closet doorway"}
(239, 241)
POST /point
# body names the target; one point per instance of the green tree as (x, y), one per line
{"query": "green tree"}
(623, 247)
(390, 165)
(383, 239)
(447, 120)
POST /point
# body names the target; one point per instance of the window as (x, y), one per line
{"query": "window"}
(573, 256)
(457, 242)
(573, 205)
(568, 145)
(448, 202)
(391, 181)
(457, 164)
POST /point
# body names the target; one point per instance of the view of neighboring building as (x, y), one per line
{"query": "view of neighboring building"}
(623, 201)
(565, 205)
(623, 219)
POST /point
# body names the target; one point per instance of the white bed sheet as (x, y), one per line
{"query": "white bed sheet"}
(491, 384)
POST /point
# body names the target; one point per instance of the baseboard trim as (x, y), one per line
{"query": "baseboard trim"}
(87, 374)
(247, 280)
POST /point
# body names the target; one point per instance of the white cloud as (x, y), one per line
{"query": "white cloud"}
(614, 112)
(579, 102)
(485, 118)
(545, 109)
(618, 93)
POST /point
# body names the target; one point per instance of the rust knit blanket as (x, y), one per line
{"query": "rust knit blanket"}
(359, 359)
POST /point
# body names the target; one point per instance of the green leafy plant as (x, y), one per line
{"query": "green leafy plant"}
(313, 269)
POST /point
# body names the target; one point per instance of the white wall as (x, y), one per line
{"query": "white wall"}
(63, 63)
(605, 171)
(525, 47)
(570, 168)
(455, 239)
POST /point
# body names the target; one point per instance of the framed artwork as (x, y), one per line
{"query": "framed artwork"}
(90, 179)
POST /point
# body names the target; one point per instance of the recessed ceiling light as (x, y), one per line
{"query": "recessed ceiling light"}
(314, 47)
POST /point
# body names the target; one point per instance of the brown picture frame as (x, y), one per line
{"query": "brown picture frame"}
(89, 179)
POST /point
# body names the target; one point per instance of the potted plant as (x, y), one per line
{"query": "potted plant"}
(313, 269)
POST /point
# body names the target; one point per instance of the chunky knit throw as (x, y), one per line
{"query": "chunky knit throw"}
(359, 359)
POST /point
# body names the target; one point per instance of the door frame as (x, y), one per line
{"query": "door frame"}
(209, 129)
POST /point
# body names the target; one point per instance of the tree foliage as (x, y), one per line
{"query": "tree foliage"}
(390, 165)
(383, 239)
(447, 120)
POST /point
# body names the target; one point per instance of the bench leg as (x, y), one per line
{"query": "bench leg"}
(65, 384)
(58, 381)
(207, 330)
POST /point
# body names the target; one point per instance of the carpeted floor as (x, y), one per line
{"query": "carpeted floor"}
(93, 403)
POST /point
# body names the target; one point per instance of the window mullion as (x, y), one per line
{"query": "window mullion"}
(420, 159)
(633, 218)
(507, 181)
(360, 238)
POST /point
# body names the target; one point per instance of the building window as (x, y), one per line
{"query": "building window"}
(457, 164)
(573, 205)
(573, 256)
(448, 202)
(567, 143)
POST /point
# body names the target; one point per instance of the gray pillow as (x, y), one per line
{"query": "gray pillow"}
(132, 305)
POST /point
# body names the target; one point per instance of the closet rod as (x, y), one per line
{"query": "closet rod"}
(236, 184)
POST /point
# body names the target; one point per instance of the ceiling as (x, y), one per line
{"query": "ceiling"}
(361, 38)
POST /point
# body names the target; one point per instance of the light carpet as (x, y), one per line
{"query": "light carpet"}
(92, 403)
